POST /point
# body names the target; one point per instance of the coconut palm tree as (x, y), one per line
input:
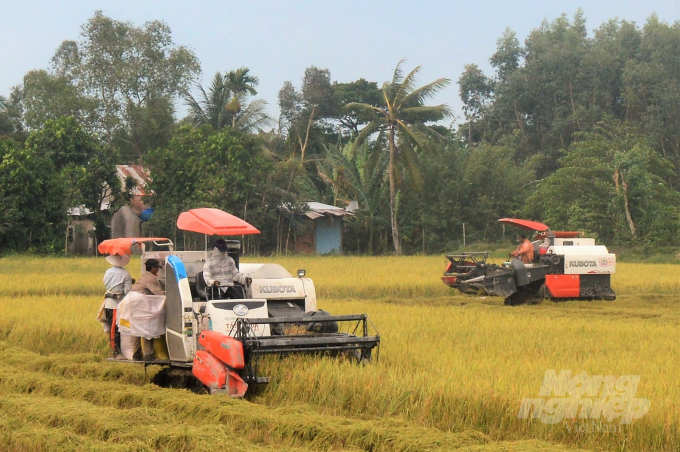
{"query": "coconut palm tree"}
(211, 107)
(403, 122)
(252, 117)
(224, 104)
(240, 84)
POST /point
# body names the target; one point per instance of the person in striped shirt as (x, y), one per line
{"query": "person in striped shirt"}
(220, 273)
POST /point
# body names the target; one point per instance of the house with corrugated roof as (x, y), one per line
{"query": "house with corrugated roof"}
(320, 229)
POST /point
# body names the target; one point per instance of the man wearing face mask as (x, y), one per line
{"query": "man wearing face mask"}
(220, 273)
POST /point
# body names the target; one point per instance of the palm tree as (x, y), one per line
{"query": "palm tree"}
(403, 121)
(240, 84)
(252, 117)
(211, 108)
(225, 103)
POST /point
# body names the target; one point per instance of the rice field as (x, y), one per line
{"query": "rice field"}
(452, 371)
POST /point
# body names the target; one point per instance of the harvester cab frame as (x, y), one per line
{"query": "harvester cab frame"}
(277, 316)
(565, 266)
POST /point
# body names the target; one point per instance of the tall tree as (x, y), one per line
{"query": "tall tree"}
(123, 70)
(652, 87)
(240, 83)
(475, 91)
(359, 91)
(404, 122)
(300, 110)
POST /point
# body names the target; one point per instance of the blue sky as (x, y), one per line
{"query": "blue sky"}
(277, 40)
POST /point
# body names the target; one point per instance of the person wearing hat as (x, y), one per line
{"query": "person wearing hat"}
(525, 250)
(220, 272)
(148, 283)
(118, 282)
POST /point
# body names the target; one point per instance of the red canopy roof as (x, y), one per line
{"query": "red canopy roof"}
(123, 245)
(561, 234)
(525, 224)
(214, 222)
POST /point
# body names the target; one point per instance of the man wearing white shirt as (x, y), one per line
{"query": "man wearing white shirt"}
(118, 283)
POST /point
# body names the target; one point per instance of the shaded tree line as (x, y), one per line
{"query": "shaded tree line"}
(574, 129)
(595, 117)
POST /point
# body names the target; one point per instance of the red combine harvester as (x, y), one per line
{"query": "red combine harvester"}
(219, 341)
(565, 266)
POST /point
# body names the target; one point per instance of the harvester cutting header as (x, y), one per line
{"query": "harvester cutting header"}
(564, 265)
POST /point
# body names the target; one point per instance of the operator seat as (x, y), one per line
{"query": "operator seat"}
(201, 286)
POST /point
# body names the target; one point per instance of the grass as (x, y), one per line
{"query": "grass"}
(452, 372)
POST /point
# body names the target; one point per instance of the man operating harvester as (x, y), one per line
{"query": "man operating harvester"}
(220, 273)
(525, 250)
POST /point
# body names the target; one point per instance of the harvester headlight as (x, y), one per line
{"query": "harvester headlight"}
(301, 273)
(240, 309)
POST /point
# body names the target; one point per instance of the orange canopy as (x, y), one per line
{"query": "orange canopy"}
(561, 234)
(214, 222)
(525, 224)
(123, 245)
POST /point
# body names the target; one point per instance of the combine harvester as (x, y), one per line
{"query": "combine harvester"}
(219, 341)
(566, 266)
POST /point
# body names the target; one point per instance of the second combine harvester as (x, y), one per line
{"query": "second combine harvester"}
(565, 266)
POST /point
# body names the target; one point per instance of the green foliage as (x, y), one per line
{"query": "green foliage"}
(612, 185)
(227, 170)
(60, 167)
(303, 112)
(578, 130)
(359, 91)
(10, 117)
(45, 96)
(118, 80)
(33, 214)
(474, 186)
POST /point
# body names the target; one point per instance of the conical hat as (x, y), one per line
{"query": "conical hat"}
(118, 261)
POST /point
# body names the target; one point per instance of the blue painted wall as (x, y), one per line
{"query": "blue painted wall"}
(328, 235)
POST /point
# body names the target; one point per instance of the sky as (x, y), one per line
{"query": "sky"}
(278, 40)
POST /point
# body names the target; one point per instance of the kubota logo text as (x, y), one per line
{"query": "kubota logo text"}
(277, 289)
(582, 263)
